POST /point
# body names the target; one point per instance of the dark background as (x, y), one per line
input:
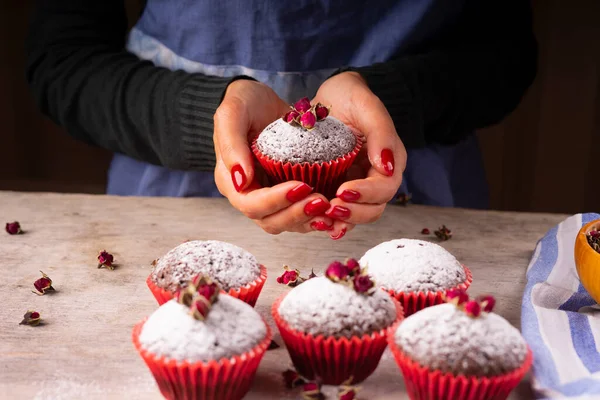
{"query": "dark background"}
(543, 157)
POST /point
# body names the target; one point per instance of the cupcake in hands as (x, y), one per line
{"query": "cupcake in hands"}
(234, 269)
(460, 350)
(308, 145)
(416, 272)
(203, 344)
(335, 326)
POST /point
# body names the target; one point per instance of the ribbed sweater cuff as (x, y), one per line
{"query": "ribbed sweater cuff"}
(198, 102)
(389, 82)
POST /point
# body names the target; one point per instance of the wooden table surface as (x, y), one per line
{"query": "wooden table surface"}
(84, 349)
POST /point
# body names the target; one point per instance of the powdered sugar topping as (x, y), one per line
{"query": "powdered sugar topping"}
(227, 264)
(328, 140)
(410, 265)
(321, 307)
(231, 328)
(446, 339)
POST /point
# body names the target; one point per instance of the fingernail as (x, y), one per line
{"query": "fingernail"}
(298, 193)
(387, 159)
(316, 207)
(349, 195)
(338, 212)
(238, 177)
(320, 226)
(339, 235)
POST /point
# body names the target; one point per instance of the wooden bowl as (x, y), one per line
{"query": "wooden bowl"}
(587, 261)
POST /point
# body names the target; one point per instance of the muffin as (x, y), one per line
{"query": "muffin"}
(234, 269)
(335, 326)
(308, 145)
(203, 344)
(463, 345)
(416, 272)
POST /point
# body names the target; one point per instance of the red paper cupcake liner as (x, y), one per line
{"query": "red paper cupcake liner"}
(225, 379)
(425, 384)
(332, 360)
(415, 301)
(325, 177)
(248, 293)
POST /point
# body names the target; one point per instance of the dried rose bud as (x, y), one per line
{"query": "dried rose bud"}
(353, 266)
(185, 296)
(200, 308)
(291, 117)
(487, 303)
(321, 111)
(289, 277)
(312, 391)
(13, 228)
(312, 274)
(43, 285)
(425, 231)
(363, 284)
(308, 120)
(347, 393)
(105, 259)
(443, 233)
(473, 309)
(457, 296)
(31, 318)
(292, 379)
(403, 199)
(273, 345)
(336, 271)
(302, 105)
(206, 287)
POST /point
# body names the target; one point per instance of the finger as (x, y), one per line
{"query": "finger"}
(374, 189)
(355, 213)
(232, 124)
(386, 151)
(340, 229)
(297, 217)
(257, 202)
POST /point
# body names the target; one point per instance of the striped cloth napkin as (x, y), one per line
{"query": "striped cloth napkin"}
(559, 320)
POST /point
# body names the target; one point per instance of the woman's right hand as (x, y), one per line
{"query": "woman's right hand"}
(247, 108)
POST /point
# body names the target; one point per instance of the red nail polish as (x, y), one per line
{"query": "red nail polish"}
(316, 207)
(238, 177)
(387, 159)
(320, 226)
(338, 212)
(339, 235)
(298, 193)
(349, 195)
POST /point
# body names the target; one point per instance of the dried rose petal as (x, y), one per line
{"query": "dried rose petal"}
(403, 199)
(353, 266)
(13, 228)
(292, 379)
(473, 309)
(302, 105)
(487, 303)
(312, 391)
(312, 274)
(31, 318)
(105, 259)
(291, 116)
(363, 284)
(457, 296)
(336, 271)
(321, 112)
(347, 393)
(425, 231)
(43, 285)
(308, 120)
(443, 233)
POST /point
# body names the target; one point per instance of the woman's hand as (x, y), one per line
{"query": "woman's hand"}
(247, 108)
(376, 175)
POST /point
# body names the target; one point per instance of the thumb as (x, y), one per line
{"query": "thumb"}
(231, 142)
(384, 147)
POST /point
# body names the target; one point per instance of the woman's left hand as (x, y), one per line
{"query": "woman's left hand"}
(376, 175)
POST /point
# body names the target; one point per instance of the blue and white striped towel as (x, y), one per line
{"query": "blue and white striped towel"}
(560, 320)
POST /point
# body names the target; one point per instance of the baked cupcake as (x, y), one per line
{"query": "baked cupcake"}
(308, 145)
(202, 344)
(335, 326)
(416, 272)
(234, 269)
(460, 350)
